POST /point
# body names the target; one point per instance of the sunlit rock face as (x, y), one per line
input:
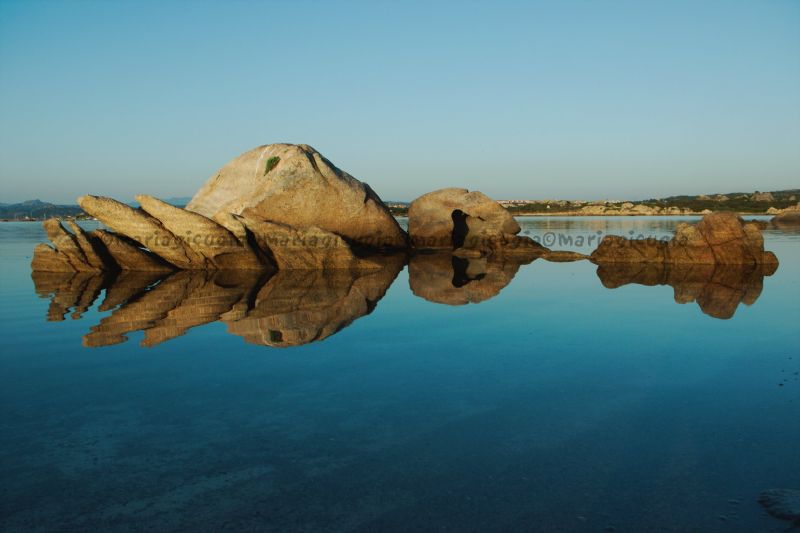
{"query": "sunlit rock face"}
(717, 289)
(296, 186)
(468, 222)
(718, 239)
(219, 247)
(447, 279)
(288, 308)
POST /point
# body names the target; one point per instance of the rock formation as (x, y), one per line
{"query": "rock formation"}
(787, 218)
(469, 223)
(277, 207)
(719, 238)
(717, 289)
(782, 503)
(296, 186)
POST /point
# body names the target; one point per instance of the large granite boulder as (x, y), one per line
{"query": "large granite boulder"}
(719, 238)
(296, 186)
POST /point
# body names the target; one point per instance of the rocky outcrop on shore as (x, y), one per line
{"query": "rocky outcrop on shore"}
(469, 223)
(286, 207)
(719, 238)
(787, 218)
(279, 206)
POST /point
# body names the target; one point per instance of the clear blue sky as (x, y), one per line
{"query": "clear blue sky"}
(567, 99)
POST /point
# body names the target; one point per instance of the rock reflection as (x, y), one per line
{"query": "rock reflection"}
(446, 279)
(286, 309)
(717, 289)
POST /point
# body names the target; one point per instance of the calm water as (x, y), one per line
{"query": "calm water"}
(553, 398)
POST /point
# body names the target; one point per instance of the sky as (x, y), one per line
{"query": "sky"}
(560, 99)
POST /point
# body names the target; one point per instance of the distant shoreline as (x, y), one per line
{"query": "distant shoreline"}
(539, 215)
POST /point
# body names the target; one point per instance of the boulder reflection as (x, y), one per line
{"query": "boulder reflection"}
(286, 309)
(717, 289)
(446, 279)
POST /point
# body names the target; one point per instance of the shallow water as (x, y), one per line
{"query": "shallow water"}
(544, 400)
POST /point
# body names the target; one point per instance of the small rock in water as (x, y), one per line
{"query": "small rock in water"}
(782, 503)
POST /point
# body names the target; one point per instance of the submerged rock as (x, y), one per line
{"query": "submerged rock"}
(782, 503)
(563, 256)
(296, 186)
(719, 238)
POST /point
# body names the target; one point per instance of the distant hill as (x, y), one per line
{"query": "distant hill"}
(740, 202)
(37, 210)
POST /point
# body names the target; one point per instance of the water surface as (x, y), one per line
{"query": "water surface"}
(547, 396)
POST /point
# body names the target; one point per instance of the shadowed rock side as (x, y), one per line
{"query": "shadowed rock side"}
(469, 223)
(289, 308)
(296, 186)
(718, 239)
(717, 289)
(310, 248)
(447, 279)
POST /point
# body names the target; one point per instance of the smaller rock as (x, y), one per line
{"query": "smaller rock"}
(563, 256)
(788, 218)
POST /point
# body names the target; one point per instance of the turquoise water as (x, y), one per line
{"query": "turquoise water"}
(549, 403)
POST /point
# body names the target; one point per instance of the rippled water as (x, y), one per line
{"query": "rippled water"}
(436, 395)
